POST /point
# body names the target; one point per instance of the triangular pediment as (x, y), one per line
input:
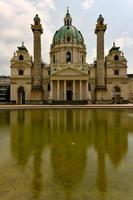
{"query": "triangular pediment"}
(70, 71)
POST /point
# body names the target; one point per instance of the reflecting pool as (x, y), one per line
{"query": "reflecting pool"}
(66, 155)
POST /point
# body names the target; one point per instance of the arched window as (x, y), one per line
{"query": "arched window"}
(21, 57)
(68, 57)
(68, 38)
(116, 57)
(68, 22)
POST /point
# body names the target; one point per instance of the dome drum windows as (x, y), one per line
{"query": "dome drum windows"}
(68, 38)
(68, 56)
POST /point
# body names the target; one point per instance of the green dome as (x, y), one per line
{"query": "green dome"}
(68, 34)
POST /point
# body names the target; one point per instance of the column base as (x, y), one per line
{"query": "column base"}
(37, 93)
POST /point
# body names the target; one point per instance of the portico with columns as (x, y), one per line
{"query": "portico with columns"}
(69, 90)
(69, 85)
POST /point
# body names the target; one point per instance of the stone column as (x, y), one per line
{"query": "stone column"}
(74, 90)
(80, 89)
(100, 68)
(51, 89)
(64, 90)
(87, 90)
(58, 90)
(37, 31)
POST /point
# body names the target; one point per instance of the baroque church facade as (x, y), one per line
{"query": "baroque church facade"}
(69, 78)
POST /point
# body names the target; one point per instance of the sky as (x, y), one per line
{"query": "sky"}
(16, 17)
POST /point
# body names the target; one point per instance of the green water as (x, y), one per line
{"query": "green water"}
(66, 155)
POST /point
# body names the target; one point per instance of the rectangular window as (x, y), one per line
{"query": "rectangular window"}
(116, 72)
(21, 72)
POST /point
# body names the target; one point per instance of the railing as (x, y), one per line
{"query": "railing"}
(113, 101)
(83, 102)
(54, 102)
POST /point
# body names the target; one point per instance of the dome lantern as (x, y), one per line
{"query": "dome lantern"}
(68, 19)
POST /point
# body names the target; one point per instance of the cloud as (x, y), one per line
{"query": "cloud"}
(92, 56)
(16, 17)
(124, 41)
(87, 4)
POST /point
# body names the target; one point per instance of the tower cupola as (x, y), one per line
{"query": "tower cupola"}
(100, 20)
(37, 20)
(68, 19)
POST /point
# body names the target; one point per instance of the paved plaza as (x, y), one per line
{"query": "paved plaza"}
(90, 106)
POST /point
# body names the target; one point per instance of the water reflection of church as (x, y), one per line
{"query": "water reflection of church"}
(68, 77)
(67, 150)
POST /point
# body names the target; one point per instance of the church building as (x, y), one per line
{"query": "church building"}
(69, 78)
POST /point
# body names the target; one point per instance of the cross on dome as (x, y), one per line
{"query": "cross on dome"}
(67, 9)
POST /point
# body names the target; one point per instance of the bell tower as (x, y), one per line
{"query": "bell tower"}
(100, 68)
(37, 31)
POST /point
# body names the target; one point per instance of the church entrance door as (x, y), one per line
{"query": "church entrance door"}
(117, 94)
(69, 95)
(21, 95)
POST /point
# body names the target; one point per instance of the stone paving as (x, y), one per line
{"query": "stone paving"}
(89, 106)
